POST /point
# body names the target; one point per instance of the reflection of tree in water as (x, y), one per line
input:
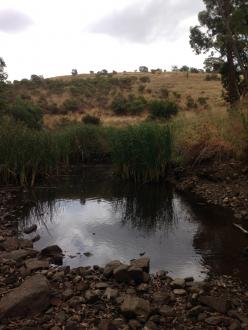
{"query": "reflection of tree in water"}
(219, 244)
(39, 209)
(147, 208)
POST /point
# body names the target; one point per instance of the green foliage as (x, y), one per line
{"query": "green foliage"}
(202, 100)
(141, 88)
(162, 109)
(26, 112)
(92, 120)
(131, 105)
(145, 79)
(3, 74)
(71, 105)
(141, 153)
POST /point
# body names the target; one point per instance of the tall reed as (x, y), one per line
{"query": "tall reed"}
(142, 152)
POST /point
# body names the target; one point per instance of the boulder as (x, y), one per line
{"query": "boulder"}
(178, 283)
(133, 307)
(35, 264)
(219, 304)
(121, 273)
(143, 263)
(91, 296)
(31, 297)
(54, 252)
(18, 255)
(12, 243)
(110, 294)
(135, 274)
(109, 268)
(31, 229)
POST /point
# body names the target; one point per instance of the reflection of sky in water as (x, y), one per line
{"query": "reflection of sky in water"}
(97, 226)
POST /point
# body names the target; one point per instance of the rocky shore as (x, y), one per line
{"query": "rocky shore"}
(38, 292)
(220, 184)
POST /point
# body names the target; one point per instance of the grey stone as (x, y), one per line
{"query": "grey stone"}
(135, 274)
(143, 263)
(35, 264)
(121, 273)
(109, 268)
(19, 255)
(111, 293)
(32, 296)
(219, 304)
(178, 283)
(135, 307)
(30, 229)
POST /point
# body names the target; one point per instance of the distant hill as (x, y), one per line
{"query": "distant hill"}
(72, 97)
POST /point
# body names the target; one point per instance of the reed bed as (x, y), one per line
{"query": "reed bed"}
(142, 153)
(139, 152)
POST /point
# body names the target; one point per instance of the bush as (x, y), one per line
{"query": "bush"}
(27, 113)
(162, 109)
(92, 120)
(164, 92)
(119, 105)
(202, 100)
(141, 88)
(145, 79)
(212, 76)
(71, 105)
(191, 104)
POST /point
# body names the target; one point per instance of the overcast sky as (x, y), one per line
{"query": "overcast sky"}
(50, 37)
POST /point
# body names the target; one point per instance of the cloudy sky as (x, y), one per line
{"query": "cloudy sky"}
(50, 37)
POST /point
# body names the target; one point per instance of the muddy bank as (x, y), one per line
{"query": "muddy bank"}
(36, 294)
(222, 184)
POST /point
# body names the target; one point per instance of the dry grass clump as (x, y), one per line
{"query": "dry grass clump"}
(210, 135)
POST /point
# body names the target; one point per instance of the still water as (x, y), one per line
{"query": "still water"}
(96, 214)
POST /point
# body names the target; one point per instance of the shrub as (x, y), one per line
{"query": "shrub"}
(141, 88)
(119, 105)
(27, 113)
(92, 120)
(135, 105)
(162, 109)
(145, 79)
(71, 105)
(212, 76)
(177, 95)
(202, 100)
(164, 92)
(191, 104)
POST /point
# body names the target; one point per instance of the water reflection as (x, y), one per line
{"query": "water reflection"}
(93, 212)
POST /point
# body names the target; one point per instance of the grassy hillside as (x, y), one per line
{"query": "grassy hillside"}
(72, 97)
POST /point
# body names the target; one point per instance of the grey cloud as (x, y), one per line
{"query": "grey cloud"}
(13, 21)
(148, 20)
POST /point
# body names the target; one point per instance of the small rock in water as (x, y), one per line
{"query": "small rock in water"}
(54, 252)
(36, 238)
(88, 254)
(30, 229)
(142, 254)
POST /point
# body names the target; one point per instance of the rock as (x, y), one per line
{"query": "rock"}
(178, 283)
(91, 296)
(54, 252)
(101, 285)
(235, 325)
(111, 294)
(135, 307)
(32, 296)
(215, 320)
(106, 325)
(36, 238)
(35, 264)
(19, 255)
(134, 324)
(67, 294)
(166, 310)
(143, 263)
(30, 229)
(179, 292)
(143, 287)
(121, 273)
(219, 304)
(10, 244)
(109, 268)
(161, 297)
(135, 274)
